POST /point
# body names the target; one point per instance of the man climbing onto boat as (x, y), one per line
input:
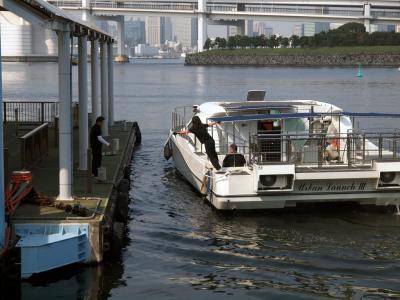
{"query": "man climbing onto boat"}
(200, 131)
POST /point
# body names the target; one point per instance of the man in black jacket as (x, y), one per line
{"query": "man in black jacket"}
(233, 159)
(96, 142)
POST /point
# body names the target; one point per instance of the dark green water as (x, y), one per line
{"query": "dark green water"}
(178, 247)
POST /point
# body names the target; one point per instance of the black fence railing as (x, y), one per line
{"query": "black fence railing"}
(30, 112)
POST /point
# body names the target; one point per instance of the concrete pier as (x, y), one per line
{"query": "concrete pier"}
(99, 199)
(49, 238)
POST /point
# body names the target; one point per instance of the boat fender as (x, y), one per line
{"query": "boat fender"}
(117, 238)
(107, 238)
(127, 172)
(167, 150)
(122, 208)
(206, 183)
(123, 186)
(138, 139)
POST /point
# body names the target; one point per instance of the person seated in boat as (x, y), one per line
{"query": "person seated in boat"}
(200, 131)
(233, 159)
(331, 147)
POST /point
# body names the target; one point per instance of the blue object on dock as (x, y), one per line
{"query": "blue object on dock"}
(48, 246)
(359, 74)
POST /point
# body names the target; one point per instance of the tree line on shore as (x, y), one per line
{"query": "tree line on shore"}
(350, 34)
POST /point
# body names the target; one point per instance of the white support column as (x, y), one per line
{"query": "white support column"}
(95, 76)
(110, 84)
(104, 85)
(367, 17)
(2, 194)
(83, 102)
(201, 24)
(86, 16)
(65, 119)
(121, 55)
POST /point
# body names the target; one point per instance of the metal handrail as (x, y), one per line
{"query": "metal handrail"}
(351, 149)
(34, 145)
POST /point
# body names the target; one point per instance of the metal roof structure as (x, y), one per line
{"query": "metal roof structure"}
(41, 13)
(262, 117)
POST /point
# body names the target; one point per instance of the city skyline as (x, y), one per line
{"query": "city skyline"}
(156, 31)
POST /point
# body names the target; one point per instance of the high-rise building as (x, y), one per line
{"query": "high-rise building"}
(310, 29)
(249, 27)
(153, 30)
(386, 28)
(298, 30)
(373, 27)
(135, 32)
(322, 26)
(231, 31)
(186, 31)
(261, 28)
(158, 30)
(168, 35)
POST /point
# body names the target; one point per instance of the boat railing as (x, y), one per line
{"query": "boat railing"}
(181, 116)
(351, 149)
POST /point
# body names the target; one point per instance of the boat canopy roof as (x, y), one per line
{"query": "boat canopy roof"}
(259, 105)
(261, 117)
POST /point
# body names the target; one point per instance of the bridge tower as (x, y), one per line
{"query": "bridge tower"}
(86, 15)
(202, 24)
(367, 17)
(121, 55)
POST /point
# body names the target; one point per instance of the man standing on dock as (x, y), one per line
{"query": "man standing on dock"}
(96, 142)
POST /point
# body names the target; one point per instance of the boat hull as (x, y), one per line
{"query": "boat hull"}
(292, 200)
(182, 165)
(194, 169)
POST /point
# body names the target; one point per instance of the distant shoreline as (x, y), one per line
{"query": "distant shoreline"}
(375, 56)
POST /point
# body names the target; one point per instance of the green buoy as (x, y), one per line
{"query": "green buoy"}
(359, 73)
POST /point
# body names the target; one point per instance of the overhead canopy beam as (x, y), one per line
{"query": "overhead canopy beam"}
(263, 117)
(25, 11)
(41, 13)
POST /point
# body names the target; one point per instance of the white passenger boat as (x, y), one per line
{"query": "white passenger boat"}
(296, 151)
